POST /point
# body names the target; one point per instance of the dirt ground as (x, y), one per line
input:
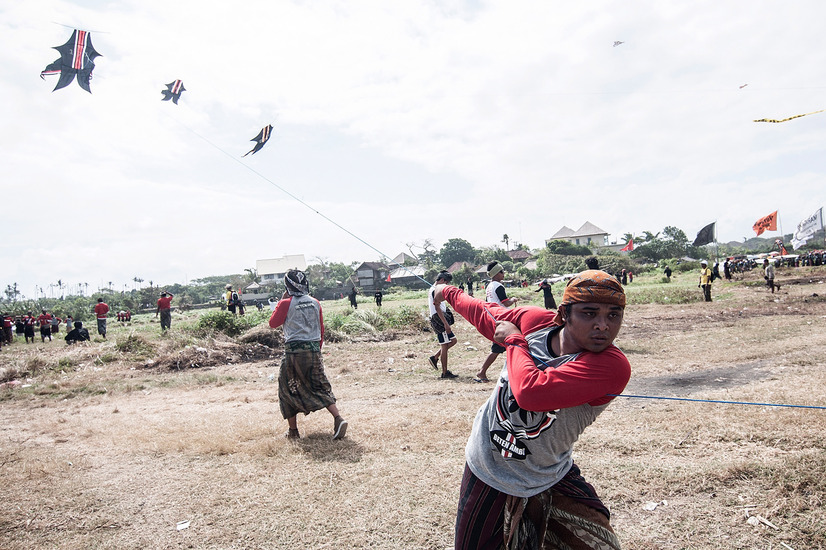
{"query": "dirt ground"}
(110, 454)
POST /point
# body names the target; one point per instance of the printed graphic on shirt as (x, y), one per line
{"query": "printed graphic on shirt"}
(515, 426)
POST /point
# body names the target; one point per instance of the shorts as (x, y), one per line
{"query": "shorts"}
(445, 337)
(496, 348)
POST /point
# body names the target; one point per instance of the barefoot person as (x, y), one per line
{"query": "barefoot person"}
(302, 385)
(520, 484)
(441, 326)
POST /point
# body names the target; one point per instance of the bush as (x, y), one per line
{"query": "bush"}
(229, 324)
(219, 321)
(407, 317)
(135, 344)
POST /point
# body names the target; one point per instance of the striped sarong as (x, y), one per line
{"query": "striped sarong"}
(569, 515)
(302, 385)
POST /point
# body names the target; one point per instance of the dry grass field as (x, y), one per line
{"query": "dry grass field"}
(99, 450)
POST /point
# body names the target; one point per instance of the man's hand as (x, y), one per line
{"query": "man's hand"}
(503, 330)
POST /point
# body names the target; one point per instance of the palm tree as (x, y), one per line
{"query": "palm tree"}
(649, 236)
(506, 240)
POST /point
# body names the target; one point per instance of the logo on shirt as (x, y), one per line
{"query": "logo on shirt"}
(517, 425)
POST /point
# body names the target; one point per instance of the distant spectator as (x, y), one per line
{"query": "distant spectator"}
(705, 280)
(768, 274)
(78, 334)
(164, 309)
(231, 299)
(547, 291)
(55, 324)
(667, 272)
(101, 312)
(45, 320)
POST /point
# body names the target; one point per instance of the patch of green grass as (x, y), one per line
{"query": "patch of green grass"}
(135, 345)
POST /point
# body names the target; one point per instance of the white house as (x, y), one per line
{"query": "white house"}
(588, 234)
(274, 269)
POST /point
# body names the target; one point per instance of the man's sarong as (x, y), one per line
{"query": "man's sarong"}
(302, 385)
(569, 515)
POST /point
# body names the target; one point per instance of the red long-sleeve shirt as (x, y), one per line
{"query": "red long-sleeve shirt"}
(586, 378)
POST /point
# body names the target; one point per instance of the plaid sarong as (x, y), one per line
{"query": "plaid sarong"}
(569, 515)
(302, 385)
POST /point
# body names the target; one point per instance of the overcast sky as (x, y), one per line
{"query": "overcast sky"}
(400, 121)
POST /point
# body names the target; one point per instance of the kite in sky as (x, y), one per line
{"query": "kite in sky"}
(173, 91)
(261, 139)
(77, 57)
(617, 43)
(744, 85)
(790, 118)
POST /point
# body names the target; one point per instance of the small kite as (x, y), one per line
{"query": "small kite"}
(617, 43)
(744, 85)
(790, 118)
(173, 91)
(261, 139)
(77, 57)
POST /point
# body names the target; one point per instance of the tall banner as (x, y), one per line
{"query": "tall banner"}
(807, 228)
(767, 223)
(705, 235)
(628, 247)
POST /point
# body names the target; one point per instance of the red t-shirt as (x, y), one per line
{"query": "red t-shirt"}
(101, 310)
(44, 319)
(165, 303)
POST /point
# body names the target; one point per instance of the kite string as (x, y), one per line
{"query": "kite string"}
(286, 192)
(716, 401)
(628, 396)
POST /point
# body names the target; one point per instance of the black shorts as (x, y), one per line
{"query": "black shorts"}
(445, 337)
(496, 348)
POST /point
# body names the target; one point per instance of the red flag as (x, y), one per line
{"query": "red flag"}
(767, 223)
(628, 247)
(388, 278)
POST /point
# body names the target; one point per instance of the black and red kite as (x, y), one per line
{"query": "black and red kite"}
(261, 139)
(173, 91)
(77, 57)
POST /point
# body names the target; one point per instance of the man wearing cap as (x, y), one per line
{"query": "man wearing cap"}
(302, 384)
(520, 483)
(494, 294)
(705, 280)
(231, 299)
(165, 310)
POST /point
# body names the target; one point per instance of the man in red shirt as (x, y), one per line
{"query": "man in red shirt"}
(165, 309)
(45, 321)
(562, 371)
(8, 323)
(101, 310)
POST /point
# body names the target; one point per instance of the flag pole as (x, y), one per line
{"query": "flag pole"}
(716, 248)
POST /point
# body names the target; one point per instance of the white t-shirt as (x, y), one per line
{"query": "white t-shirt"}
(442, 306)
(493, 294)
